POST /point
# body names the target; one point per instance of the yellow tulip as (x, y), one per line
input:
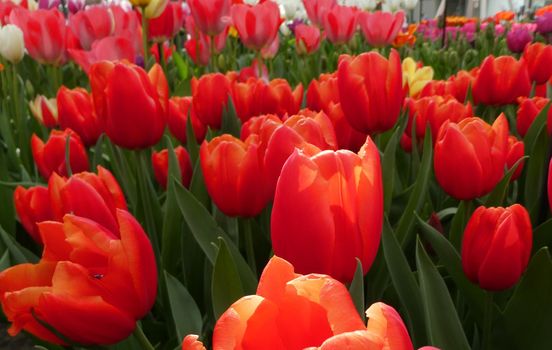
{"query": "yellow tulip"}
(415, 77)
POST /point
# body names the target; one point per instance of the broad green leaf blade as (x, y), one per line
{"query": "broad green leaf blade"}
(388, 163)
(498, 195)
(181, 65)
(528, 315)
(226, 287)
(542, 235)
(356, 289)
(444, 328)
(535, 176)
(191, 142)
(231, 124)
(458, 223)
(18, 254)
(405, 285)
(185, 313)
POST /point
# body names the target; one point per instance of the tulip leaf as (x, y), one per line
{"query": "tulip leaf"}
(459, 222)
(535, 177)
(444, 328)
(18, 254)
(68, 155)
(450, 258)
(7, 214)
(539, 124)
(418, 195)
(98, 151)
(388, 163)
(191, 141)
(231, 124)
(5, 260)
(197, 186)
(181, 65)
(206, 232)
(356, 289)
(185, 313)
(497, 196)
(528, 315)
(226, 287)
(542, 235)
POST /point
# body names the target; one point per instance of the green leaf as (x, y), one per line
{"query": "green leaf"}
(449, 257)
(528, 315)
(98, 151)
(388, 163)
(191, 142)
(356, 289)
(405, 285)
(231, 124)
(185, 313)
(226, 287)
(197, 186)
(181, 65)
(444, 327)
(458, 223)
(7, 214)
(417, 197)
(535, 176)
(18, 254)
(539, 124)
(5, 260)
(206, 232)
(498, 195)
(542, 235)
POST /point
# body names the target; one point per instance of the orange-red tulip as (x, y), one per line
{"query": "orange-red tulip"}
(497, 246)
(538, 57)
(380, 28)
(257, 25)
(277, 97)
(243, 98)
(516, 151)
(191, 342)
(328, 210)
(500, 81)
(456, 86)
(470, 156)
(179, 110)
(76, 111)
(234, 175)
(210, 97)
(160, 161)
(340, 24)
(371, 91)
(211, 16)
(50, 156)
(131, 103)
(90, 286)
(322, 91)
(307, 39)
(528, 110)
(32, 205)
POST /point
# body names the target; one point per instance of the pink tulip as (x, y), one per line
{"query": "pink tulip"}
(381, 28)
(317, 9)
(257, 25)
(340, 24)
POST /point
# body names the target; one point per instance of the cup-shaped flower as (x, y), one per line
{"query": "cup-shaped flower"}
(340, 24)
(257, 25)
(160, 162)
(380, 28)
(210, 98)
(180, 109)
(537, 56)
(211, 16)
(13, 46)
(76, 111)
(32, 206)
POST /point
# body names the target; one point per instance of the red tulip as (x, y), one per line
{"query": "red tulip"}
(322, 91)
(234, 175)
(6, 8)
(347, 137)
(127, 24)
(160, 161)
(32, 206)
(198, 50)
(257, 25)
(278, 98)
(371, 91)
(470, 156)
(45, 111)
(538, 56)
(380, 28)
(91, 196)
(93, 23)
(457, 86)
(50, 156)
(307, 39)
(179, 109)
(112, 48)
(340, 24)
(44, 32)
(529, 109)
(210, 97)
(89, 286)
(317, 9)
(516, 151)
(501, 81)
(76, 112)
(131, 103)
(244, 99)
(319, 221)
(252, 71)
(211, 16)
(497, 246)
(168, 24)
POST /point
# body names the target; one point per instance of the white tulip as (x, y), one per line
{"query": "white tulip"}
(409, 4)
(12, 46)
(392, 5)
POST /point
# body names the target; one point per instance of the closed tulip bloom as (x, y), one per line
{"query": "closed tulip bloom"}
(307, 39)
(168, 24)
(111, 48)
(32, 206)
(44, 110)
(44, 32)
(322, 91)
(160, 162)
(13, 46)
(490, 86)
(289, 311)
(518, 37)
(211, 16)
(278, 98)
(347, 137)
(537, 56)
(317, 9)
(334, 226)
(516, 151)
(340, 24)
(456, 86)
(180, 108)
(89, 286)
(76, 111)
(210, 98)
(257, 25)
(414, 77)
(131, 104)
(234, 175)
(497, 246)
(50, 156)
(528, 110)
(380, 28)
(93, 196)
(243, 98)
(94, 23)
(371, 91)
(470, 156)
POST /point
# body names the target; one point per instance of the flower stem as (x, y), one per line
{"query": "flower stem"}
(249, 246)
(142, 339)
(145, 38)
(488, 321)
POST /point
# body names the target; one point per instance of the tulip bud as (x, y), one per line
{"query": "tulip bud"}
(497, 246)
(160, 161)
(13, 46)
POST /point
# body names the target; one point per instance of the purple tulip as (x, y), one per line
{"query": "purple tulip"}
(517, 38)
(544, 23)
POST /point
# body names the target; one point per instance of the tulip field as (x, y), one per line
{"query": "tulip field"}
(287, 175)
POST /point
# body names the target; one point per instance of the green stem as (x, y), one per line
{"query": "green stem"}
(142, 339)
(249, 246)
(162, 59)
(23, 140)
(212, 54)
(151, 227)
(145, 38)
(488, 321)
(260, 64)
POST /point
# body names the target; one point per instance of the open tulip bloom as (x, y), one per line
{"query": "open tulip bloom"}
(274, 174)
